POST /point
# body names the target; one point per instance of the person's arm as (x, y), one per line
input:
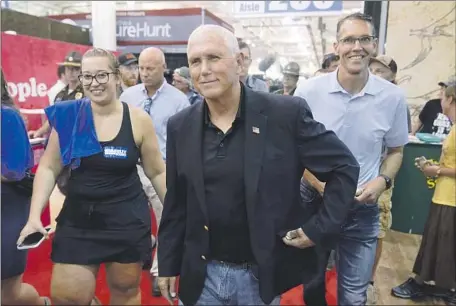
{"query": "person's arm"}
(418, 122)
(330, 161)
(416, 125)
(392, 162)
(49, 168)
(450, 172)
(171, 232)
(314, 182)
(151, 158)
(395, 139)
(41, 131)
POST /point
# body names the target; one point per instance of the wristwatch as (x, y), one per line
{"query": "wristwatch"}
(388, 181)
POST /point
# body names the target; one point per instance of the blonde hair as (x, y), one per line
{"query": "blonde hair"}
(450, 92)
(99, 52)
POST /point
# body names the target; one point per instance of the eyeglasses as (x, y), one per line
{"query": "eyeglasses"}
(363, 40)
(101, 77)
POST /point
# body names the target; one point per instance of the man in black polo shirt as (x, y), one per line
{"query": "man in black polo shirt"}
(233, 226)
(431, 119)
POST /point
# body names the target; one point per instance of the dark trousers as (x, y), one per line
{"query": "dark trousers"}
(315, 290)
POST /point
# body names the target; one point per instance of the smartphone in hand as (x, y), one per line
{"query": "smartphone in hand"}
(33, 240)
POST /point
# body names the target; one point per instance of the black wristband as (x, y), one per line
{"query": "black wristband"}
(388, 181)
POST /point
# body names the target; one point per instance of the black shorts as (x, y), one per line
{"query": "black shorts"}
(15, 211)
(92, 234)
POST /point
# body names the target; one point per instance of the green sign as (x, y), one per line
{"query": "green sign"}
(413, 192)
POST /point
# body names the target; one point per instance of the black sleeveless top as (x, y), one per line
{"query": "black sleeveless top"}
(111, 175)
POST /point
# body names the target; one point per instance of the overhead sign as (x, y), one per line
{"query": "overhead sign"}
(277, 8)
(150, 28)
(171, 26)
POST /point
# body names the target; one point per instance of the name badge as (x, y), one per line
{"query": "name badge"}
(115, 152)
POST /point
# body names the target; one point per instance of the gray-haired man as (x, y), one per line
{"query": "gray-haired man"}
(183, 82)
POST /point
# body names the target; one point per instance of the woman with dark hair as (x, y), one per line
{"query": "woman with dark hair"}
(17, 159)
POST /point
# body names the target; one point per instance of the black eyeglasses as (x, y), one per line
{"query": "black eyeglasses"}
(363, 40)
(101, 77)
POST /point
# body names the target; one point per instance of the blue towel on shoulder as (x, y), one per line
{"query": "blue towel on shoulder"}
(73, 121)
(17, 155)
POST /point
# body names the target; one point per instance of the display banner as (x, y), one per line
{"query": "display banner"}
(30, 68)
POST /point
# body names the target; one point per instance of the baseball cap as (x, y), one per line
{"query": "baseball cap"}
(386, 61)
(328, 58)
(72, 59)
(183, 72)
(450, 82)
(291, 68)
(126, 59)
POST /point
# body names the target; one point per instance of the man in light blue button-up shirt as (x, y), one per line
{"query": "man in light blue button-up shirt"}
(161, 101)
(365, 112)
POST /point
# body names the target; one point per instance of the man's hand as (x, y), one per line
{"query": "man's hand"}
(167, 287)
(297, 239)
(371, 191)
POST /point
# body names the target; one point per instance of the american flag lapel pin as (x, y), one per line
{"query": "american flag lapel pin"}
(255, 130)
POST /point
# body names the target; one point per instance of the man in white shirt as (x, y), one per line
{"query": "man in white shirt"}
(59, 85)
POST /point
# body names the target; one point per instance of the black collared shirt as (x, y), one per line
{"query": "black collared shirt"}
(223, 168)
(65, 94)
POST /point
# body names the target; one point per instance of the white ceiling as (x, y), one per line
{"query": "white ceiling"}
(304, 39)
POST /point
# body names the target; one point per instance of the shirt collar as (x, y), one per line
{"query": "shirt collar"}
(240, 112)
(372, 87)
(250, 82)
(156, 93)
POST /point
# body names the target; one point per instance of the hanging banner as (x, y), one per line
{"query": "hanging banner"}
(153, 27)
(285, 8)
(30, 68)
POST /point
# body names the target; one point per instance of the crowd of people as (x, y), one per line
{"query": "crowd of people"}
(255, 192)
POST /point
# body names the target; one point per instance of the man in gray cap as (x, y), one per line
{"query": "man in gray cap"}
(290, 79)
(183, 82)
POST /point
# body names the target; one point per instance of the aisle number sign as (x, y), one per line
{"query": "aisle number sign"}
(264, 8)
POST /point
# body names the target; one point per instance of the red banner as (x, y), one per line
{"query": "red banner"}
(30, 68)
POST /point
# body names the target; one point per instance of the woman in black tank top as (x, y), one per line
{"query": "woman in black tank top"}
(105, 217)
